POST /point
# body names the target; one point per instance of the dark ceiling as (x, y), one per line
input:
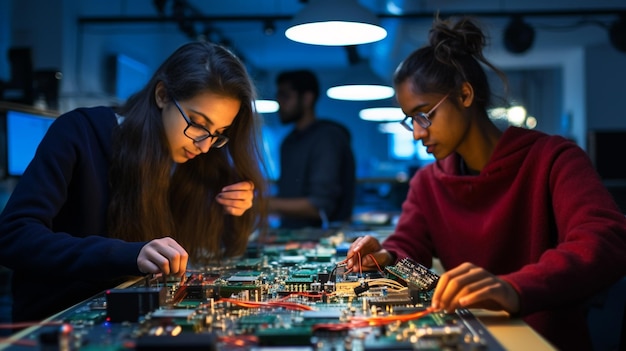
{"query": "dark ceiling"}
(255, 28)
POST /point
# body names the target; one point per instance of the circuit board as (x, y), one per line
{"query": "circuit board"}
(290, 297)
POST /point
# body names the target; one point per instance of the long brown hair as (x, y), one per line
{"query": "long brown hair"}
(152, 197)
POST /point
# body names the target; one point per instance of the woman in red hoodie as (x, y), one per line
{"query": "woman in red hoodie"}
(519, 219)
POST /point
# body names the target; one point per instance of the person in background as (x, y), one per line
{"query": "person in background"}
(519, 219)
(171, 177)
(317, 168)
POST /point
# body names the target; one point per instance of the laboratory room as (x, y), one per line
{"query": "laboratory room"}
(312, 175)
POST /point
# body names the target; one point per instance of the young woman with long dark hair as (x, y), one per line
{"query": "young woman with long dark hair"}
(171, 177)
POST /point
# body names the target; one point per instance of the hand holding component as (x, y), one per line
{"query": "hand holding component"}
(236, 198)
(371, 254)
(164, 256)
(470, 286)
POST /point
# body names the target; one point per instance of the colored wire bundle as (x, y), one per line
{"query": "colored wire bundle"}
(372, 321)
(269, 304)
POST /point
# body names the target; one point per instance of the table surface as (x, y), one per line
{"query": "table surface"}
(512, 333)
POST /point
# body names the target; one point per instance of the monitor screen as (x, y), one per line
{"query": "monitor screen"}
(24, 131)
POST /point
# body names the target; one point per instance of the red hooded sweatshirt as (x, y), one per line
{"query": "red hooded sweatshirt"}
(537, 215)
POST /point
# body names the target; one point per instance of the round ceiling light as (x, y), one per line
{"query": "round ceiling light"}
(335, 23)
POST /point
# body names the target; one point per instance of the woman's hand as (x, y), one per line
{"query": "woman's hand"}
(365, 247)
(236, 198)
(164, 256)
(470, 286)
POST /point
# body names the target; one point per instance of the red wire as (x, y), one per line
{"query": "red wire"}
(362, 322)
(28, 324)
(360, 263)
(20, 342)
(305, 294)
(376, 263)
(252, 304)
(383, 320)
(239, 340)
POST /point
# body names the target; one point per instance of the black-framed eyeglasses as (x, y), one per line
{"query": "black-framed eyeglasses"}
(198, 133)
(421, 118)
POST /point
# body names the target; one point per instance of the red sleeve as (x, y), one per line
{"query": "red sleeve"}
(590, 251)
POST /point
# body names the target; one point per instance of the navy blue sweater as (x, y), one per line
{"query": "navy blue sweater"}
(318, 163)
(53, 230)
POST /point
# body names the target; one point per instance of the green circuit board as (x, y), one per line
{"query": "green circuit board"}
(283, 299)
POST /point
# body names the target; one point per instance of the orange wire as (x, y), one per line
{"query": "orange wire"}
(19, 342)
(360, 263)
(239, 340)
(28, 324)
(376, 263)
(305, 294)
(362, 322)
(383, 320)
(253, 304)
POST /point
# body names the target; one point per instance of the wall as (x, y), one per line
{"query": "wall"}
(5, 35)
(85, 48)
(571, 62)
(39, 25)
(605, 75)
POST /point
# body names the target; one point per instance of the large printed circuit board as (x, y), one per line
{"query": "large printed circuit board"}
(291, 296)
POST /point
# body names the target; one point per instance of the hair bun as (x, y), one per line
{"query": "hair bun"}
(463, 37)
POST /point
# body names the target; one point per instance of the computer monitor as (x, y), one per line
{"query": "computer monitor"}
(24, 132)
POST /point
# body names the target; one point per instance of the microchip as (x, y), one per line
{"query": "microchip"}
(414, 274)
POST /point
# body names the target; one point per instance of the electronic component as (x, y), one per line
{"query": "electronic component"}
(361, 288)
(127, 305)
(276, 301)
(182, 342)
(414, 274)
